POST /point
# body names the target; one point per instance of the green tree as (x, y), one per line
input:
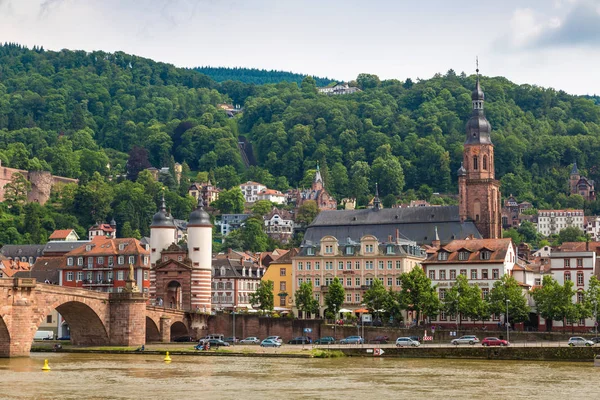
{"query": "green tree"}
(307, 212)
(263, 296)
(230, 201)
(464, 300)
(592, 298)
(508, 289)
(388, 173)
(418, 294)
(553, 300)
(253, 235)
(226, 177)
(305, 301)
(376, 297)
(513, 234)
(334, 298)
(571, 234)
(261, 208)
(15, 192)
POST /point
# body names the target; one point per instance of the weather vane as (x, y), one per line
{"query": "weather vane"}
(477, 64)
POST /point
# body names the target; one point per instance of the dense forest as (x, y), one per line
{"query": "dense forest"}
(257, 76)
(103, 117)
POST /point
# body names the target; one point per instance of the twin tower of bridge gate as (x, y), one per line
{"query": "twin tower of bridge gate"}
(94, 318)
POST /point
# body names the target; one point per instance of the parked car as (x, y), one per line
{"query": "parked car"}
(352, 340)
(277, 338)
(494, 341)
(300, 340)
(325, 340)
(184, 339)
(467, 339)
(382, 339)
(407, 342)
(416, 338)
(595, 339)
(232, 339)
(64, 338)
(270, 343)
(377, 322)
(579, 341)
(217, 343)
(250, 340)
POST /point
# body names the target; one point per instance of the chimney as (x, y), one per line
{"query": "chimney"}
(389, 238)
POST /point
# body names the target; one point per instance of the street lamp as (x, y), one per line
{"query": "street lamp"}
(334, 320)
(233, 339)
(507, 323)
(596, 316)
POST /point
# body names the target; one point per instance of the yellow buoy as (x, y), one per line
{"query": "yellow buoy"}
(45, 367)
(167, 357)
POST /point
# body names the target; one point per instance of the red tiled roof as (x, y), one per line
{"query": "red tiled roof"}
(102, 227)
(60, 234)
(579, 246)
(497, 247)
(11, 267)
(101, 245)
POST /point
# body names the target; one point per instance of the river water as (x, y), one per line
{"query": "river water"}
(99, 376)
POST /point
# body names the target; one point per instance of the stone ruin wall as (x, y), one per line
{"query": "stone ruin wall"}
(42, 183)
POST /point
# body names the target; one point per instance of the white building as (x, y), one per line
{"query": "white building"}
(592, 227)
(231, 222)
(482, 261)
(279, 225)
(274, 196)
(551, 222)
(340, 88)
(251, 190)
(578, 267)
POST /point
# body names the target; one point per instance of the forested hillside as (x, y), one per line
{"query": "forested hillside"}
(256, 76)
(82, 115)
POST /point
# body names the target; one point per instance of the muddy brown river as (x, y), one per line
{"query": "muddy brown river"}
(96, 376)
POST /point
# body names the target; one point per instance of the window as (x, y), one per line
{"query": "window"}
(300, 267)
(317, 297)
(348, 297)
(349, 250)
(473, 274)
(495, 274)
(282, 271)
(79, 276)
(90, 261)
(398, 265)
(281, 301)
(567, 263)
(308, 266)
(196, 248)
(131, 259)
(442, 256)
(340, 265)
(567, 276)
(119, 275)
(100, 260)
(443, 274)
(390, 250)
(357, 281)
(475, 163)
(368, 248)
(88, 276)
(317, 282)
(538, 281)
(99, 277)
(580, 263)
(463, 272)
(380, 264)
(70, 276)
(329, 249)
(389, 265)
(398, 281)
(328, 281)
(348, 265)
(389, 281)
(111, 260)
(121, 260)
(485, 163)
(165, 258)
(484, 274)
(357, 297)
(310, 251)
(443, 316)
(348, 281)
(300, 281)
(442, 294)
(484, 255)
(357, 265)
(485, 292)
(580, 297)
(80, 261)
(328, 265)
(317, 265)
(70, 261)
(432, 275)
(109, 275)
(463, 255)
(453, 274)
(368, 264)
(580, 279)
(368, 281)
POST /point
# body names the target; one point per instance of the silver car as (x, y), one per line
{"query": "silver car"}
(250, 340)
(467, 339)
(579, 341)
(406, 342)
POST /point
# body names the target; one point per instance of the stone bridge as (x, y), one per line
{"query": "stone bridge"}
(94, 318)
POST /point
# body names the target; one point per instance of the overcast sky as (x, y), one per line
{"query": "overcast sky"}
(551, 43)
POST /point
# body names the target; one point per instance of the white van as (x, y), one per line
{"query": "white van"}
(219, 336)
(44, 335)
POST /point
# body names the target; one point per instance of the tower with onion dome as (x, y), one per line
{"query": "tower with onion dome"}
(199, 237)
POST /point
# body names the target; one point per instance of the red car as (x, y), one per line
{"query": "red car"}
(493, 341)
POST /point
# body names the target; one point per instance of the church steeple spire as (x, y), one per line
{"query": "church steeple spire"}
(478, 127)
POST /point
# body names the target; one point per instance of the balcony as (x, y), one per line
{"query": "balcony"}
(98, 282)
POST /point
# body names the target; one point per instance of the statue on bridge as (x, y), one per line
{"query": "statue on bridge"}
(130, 285)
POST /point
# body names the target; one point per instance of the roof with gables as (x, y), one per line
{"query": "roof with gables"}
(473, 247)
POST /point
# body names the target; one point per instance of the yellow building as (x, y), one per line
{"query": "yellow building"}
(280, 272)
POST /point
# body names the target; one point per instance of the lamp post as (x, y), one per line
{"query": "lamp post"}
(233, 339)
(507, 323)
(596, 316)
(457, 315)
(334, 320)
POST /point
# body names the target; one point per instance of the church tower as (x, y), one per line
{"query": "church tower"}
(478, 190)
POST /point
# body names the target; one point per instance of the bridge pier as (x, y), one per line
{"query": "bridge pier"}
(127, 319)
(165, 329)
(16, 332)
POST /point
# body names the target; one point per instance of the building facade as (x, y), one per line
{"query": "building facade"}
(551, 222)
(581, 185)
(274, 196)
(231, 222)
(279, 225)
(280, 272)
(316, 193)
(356, 264)
(251, 190)
(102, 229)
(103, 265)
(206, 190)
(233, 281)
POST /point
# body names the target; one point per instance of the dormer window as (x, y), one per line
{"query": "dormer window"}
(70, 261)
(222, 271)
(121, 246)
(80, 261)
(349, 250)
(310, 251)
(442, 256)
(463, 255)
(390, 249)
(368, 248)
(88, 247)
(328, 249)
(485, 255)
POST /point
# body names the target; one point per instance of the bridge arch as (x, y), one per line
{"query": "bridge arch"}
(4, 338)
(178, 328)
(152, 330)
(86, 321)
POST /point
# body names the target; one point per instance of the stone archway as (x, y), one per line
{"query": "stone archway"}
(152, 331)
(178, 329)
(4, 338)
(86, 327)
(174, 295)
